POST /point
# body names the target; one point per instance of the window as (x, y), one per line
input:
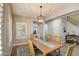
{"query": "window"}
(1, 23)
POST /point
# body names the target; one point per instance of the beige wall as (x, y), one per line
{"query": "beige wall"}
(21, 19)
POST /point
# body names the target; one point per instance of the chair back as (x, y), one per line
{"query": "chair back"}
(49, 37)
(70, 50)
(57, 39)
(32, 36)
(31, 48)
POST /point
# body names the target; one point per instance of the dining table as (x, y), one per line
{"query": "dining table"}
(46, 47)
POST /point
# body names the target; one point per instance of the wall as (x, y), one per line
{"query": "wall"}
(7, 32)
(55, 27)
(21, 19)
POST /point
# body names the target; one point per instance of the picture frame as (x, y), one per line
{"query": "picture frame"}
(21, 30)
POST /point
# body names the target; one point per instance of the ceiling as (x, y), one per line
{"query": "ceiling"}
(49, 10)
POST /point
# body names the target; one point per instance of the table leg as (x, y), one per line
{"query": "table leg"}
(59, 52)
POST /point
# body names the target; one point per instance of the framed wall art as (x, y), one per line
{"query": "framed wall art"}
(21, 30)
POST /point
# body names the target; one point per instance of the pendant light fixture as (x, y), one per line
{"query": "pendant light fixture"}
(41, 18)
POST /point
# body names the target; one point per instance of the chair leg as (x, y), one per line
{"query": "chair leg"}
(59, 52)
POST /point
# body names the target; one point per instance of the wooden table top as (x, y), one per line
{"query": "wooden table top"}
(44, 47)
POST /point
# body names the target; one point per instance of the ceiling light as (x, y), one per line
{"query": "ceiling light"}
(41, 18)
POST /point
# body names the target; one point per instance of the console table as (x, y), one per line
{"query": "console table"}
(72, 38)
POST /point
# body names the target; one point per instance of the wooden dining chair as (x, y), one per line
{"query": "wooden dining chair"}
(31, 48)
(32, 51)
(57, 39)
(70, 50)
(50, 38)
(32, 36)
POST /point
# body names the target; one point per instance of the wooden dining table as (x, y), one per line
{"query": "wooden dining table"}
(46, 47)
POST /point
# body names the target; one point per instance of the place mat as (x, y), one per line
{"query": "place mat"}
(51, 45)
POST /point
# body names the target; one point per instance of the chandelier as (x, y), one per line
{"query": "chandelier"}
(41, 18)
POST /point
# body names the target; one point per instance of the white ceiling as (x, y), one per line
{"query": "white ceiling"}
(50, 10)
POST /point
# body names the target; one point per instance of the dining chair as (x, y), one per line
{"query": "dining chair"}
(57, 39)
(31, 48)
(70, 50)
(32, 36)
(50, 38)
(32, 51)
